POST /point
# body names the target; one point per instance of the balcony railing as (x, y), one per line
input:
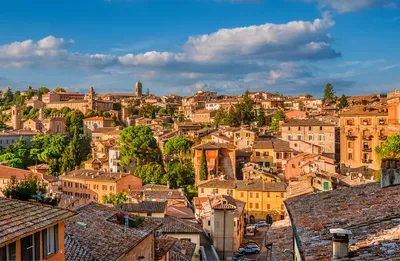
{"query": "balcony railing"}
(382, 137)
(366, 161)
(367, 137)
(350, 137)
(367, 150)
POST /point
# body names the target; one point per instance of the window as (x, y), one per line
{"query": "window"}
(299, 137)
(251, 194)
(257, 153)
(289, 137)
(248, 134)
(50, 241)
(310, 128)
(266, 154)
(310, 137)
(215, 191)
(105, 187)
(321, 128)
(321, 137)
(8, 252)
(257, 196)
(268, 206)
(237, 135)
(76, 185)
(349, 144)
(350, 156)
(257, 206)
(65, 183)
(282, 195)
(209, 222)
(268, 195)
(288, 128)
(111, 188)
(299, 128)
(241, 194)
(251, 205)
(30, 247)
(202, 190)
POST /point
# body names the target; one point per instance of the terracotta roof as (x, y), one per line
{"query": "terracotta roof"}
(213, 145)
(75, 251)
(180, 212)
(364, 110)
(282, 146)
(8, 172)
(18, 133)
(371, 213)
(260, 185)
(144, 207)
(172, 225)
(107, 130)
(97, 118)
(106, 240)
(217, 183)
(84, 174)
(163, 245)
(306, 122)
(18, 218)
(222, 202)
(167, 194)
(267, 144)
(182, 250)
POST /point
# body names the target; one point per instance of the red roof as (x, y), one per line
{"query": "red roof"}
(97, 118)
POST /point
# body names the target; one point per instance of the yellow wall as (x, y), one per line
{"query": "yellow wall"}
(258, 206)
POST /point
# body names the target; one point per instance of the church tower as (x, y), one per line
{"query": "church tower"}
(16, 117)
(139, 89)
(91, 100)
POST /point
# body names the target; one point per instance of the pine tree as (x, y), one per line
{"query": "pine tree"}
(329, 93)
(203, 173)
(343, 103)
(261, 119)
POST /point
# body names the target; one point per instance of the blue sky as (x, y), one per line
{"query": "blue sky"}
(181, 46)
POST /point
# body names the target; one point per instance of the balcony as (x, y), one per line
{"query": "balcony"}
(367, 137)
(382, 137)
(367, 150)
(350, 137)
(366, 161)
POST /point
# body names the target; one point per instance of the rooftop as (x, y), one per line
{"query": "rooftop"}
(222, 202)
(306, 122)
(163, 245)
(213, 145)
(172, 225)
(371, 213)
(144, 207)
(182, 250)
(105, 240)
(84, 174)
(18, 218)
(97, 118)
(365, 111)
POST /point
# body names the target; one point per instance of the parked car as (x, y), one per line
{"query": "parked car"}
(261, 224)
(249, 250)
(249, 243)
(238, 257)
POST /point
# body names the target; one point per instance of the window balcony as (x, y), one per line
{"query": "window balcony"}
(367, 137)
(351, 137)
(366, 161)
(382, 137)
(367, 150)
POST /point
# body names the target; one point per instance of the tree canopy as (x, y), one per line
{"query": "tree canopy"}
(390, 148)
(115, 199)
(261, 119)
(343, 103)
(59, 89)
(329, 92)
(278, 116)
(137, 142)
(203, 172)
(178, 147)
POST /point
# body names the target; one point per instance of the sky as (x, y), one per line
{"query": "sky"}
(182, 46)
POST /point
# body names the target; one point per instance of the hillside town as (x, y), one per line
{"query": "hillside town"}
(256, 176)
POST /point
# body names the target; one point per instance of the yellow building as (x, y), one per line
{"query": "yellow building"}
(261, 198)
(263, 153)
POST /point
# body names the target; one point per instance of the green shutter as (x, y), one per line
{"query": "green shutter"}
(326, 186)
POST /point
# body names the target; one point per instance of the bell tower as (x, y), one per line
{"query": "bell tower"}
(16, 117)
(139, 89)
(91, 99)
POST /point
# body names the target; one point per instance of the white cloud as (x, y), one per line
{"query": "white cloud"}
(366, 63)
(344, 6)
(389, 67)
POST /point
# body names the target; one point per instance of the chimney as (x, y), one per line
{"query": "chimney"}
(340, 240)
(390, 173)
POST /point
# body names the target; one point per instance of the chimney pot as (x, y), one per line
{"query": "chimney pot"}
(340, 240)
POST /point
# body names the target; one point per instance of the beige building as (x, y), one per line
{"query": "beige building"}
(244, 138)
(203, 116)
(92, 185)
(313, 131)
(361, 130)
(92, 123)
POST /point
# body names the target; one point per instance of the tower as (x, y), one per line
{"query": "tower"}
(91, 100)
(16, 117)
(139, 89)
(41, 115)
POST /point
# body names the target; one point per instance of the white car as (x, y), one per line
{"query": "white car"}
(261, 224)
(249, 250)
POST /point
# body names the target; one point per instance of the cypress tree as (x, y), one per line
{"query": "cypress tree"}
(203, 166)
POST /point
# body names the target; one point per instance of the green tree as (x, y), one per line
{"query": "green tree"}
(390, 148)
(246, 109)
(29, 93)
(8, 96)
(261, 119)
(65, 110)
(221, 117)
(233, 117)
(151, 173)
(343, 103)
(191, 192)
(148, 92)
(180, 173)
(17, 156)
(329, 93)
(74, 121)
(115, 199)
(278, 116)
(178, 148)
(43, 90)
(24, 189)
(117, 106)
(59, 89)
(203, 173)
(137, 142)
